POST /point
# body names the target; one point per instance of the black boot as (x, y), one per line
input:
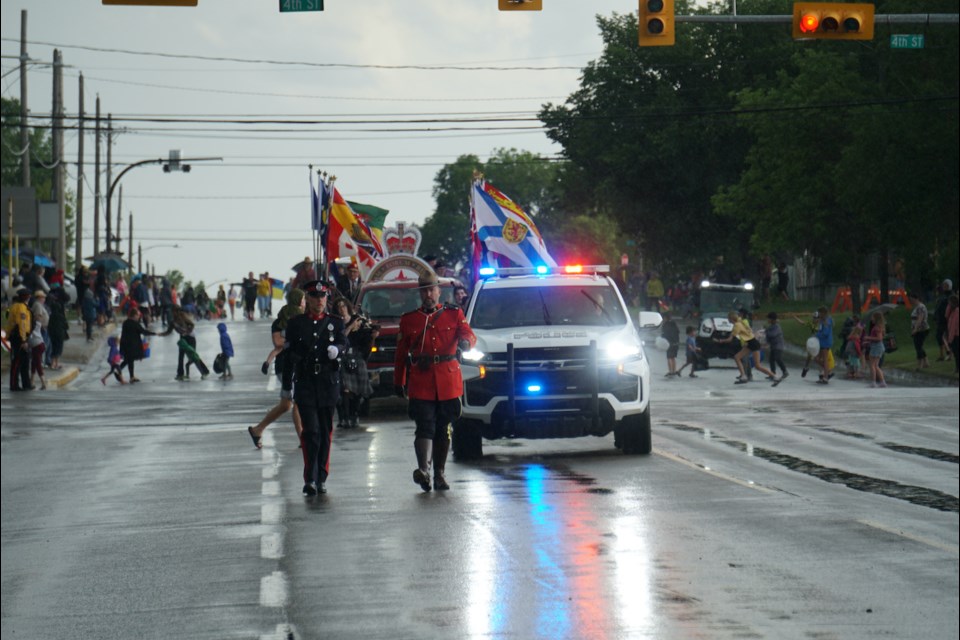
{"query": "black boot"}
(440, 449)
(424, 450)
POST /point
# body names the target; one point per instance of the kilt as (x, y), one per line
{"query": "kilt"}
(353, 374)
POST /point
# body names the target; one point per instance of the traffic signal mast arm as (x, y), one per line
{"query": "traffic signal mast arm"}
(880, 18)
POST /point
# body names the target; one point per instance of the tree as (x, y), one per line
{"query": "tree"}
(41, 165)
(652, 133)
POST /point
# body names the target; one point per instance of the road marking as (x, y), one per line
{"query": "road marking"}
(949, 548)
(711, 472)
(273, 590)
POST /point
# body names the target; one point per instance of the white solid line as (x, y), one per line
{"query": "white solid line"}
(949, 548)
(722, 476)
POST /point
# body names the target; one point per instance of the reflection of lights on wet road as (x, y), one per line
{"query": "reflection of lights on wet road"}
(548, 575)
(486, 598)
(633, 579)
(552, 614)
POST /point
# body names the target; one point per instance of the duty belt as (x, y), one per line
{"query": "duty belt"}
(425, 360)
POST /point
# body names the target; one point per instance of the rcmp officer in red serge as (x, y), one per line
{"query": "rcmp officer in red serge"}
(315, 341)
(426, 370)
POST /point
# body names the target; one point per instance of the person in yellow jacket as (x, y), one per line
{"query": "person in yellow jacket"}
(264, 293)
(19, 323)
(654, 291)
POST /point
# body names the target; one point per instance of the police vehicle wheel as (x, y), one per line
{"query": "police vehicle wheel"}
(467, 440)
(635, 437)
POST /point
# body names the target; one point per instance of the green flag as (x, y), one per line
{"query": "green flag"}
(372, 215)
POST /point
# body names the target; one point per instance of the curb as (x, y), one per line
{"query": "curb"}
(67, 375)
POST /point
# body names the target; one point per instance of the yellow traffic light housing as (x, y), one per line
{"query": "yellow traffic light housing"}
(832, 21)
(656, 23)
(520, 5)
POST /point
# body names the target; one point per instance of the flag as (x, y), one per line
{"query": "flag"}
(503, 227)
(276, 286)
(348, 236)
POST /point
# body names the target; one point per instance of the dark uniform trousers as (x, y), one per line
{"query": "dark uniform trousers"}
(316, 414)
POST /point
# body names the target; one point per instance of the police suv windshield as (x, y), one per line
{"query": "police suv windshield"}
(499, 308)
(719, 301)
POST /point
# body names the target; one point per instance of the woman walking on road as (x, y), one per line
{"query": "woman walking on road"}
(293, 308)
(131, 341)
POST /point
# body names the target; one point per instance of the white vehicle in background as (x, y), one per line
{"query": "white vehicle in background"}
(716, 302)
(557, 356)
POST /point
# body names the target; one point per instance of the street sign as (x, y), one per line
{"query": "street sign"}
(290, 6)
(906, 41)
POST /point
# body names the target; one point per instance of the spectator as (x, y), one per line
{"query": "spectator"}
(18, 326)
(940, 316)
(349, 284)
(952, 335)
(919, 328)
(876, 349)
(58, 327)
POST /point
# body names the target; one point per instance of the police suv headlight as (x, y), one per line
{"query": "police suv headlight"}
(473, 355)
(624, 351)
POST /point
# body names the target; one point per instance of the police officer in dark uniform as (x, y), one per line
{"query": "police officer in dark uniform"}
(427, 371)
(315, 340)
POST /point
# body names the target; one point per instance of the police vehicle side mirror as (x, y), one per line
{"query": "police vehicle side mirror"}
(649, 320)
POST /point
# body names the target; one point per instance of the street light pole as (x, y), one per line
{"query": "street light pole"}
(116, 181)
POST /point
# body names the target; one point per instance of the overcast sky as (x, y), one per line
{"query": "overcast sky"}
(251, 211)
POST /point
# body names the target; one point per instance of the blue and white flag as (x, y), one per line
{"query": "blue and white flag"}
(504, 228)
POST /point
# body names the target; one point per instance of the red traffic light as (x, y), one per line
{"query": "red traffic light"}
(809, 23)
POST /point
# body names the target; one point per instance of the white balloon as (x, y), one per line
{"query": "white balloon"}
(662, 343)
(813, 346)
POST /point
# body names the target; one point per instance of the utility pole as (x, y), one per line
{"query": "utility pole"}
(24, 133)
(78, 218)
(59, 175)
(96, 183)
(130, 243)
(109, 168)
(119, 210)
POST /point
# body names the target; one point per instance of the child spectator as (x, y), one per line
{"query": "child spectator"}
(226, 348)
(670, 332)
(774, 335)
(37, 347)
(113, 359)
(875, 340)
(691, 352)
(853, 352)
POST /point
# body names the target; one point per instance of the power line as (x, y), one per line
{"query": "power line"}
(301, 63)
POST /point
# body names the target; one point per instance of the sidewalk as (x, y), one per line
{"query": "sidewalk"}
(77, 353)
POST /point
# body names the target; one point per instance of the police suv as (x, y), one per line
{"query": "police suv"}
(557, 356)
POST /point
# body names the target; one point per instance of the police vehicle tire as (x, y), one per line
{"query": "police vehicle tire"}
(467, 440)
(635, 435)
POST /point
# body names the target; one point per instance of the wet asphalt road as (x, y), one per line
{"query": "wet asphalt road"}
(796, 512)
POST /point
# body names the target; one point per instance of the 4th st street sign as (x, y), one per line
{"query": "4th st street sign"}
(906, 41)
(290, 6)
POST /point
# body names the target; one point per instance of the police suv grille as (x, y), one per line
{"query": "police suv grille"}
(568, 379)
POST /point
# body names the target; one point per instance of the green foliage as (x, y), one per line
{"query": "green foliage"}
(41, 152)
(175, 277)
(740, 141)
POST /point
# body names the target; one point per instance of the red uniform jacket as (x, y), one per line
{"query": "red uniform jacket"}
(431, 372)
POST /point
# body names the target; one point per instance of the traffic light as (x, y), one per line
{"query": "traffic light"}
(832, 21)
(656, 23)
